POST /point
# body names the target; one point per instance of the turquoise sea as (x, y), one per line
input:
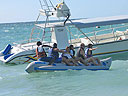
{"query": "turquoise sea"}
(14, 81)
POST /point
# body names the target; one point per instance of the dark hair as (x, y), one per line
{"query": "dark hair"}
(55, 45)
(39, 43)
(89, 45)
(70, 46)
(82, 44)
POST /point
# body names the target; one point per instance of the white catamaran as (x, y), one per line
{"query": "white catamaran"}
(101, 32)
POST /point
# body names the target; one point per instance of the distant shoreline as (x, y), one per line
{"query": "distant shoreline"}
(20, 22)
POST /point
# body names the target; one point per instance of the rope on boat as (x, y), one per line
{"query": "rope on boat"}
(81, 31)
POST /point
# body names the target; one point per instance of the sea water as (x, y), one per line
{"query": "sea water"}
(14, 81)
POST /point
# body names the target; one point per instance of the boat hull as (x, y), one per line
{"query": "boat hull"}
(19, 58)
(104, 49)
(24, 53)
(41, 66)
(110, 48)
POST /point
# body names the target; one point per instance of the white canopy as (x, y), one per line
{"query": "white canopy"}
(85, 23)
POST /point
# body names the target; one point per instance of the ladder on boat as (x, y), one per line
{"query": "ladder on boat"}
(48, 10)
(44, 11)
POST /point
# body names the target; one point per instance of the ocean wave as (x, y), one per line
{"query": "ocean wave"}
(12, 28)
(1, 78)
(6, 30)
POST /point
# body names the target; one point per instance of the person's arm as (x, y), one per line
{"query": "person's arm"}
(47, 46)
(61, 51)
(36, 52)
(93, 48)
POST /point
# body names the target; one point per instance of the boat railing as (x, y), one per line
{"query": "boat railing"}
(32, 45)
(114, 35)
(26, 43)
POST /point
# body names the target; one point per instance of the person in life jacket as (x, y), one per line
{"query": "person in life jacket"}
(77, 59)
(68, 58)
(40, 52)
(54, 53)
(49, 52)
(81, 53)
(88, 53)
(72, 51)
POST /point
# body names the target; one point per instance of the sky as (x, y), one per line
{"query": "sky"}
(28, 10)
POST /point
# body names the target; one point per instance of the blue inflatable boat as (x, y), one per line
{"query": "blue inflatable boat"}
(41, 66)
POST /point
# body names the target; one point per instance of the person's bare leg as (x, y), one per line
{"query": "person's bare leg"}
(91, 59)
(73, 61)
(99, 63)
(66, 61)
(82, 61)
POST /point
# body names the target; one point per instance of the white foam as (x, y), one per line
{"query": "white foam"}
(12, 28)
(1, 78)
(6, 30)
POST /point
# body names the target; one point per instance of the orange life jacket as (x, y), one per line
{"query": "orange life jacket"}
(41, 54)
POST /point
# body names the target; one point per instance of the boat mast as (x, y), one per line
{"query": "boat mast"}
(47, 11)
(61, 10)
